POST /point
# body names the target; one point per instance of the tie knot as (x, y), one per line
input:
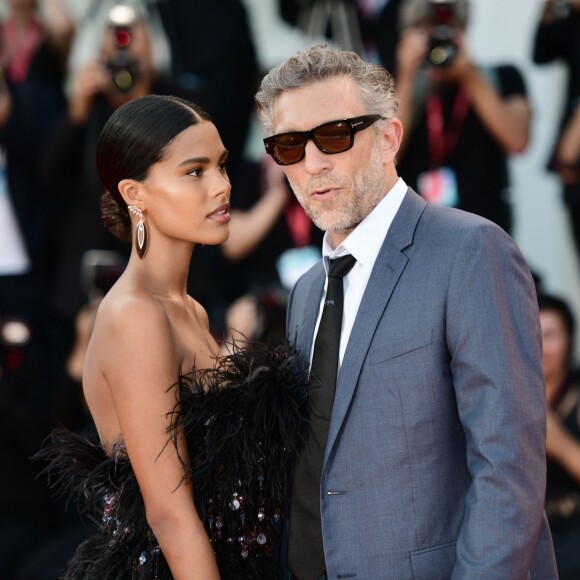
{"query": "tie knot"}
(340, 267)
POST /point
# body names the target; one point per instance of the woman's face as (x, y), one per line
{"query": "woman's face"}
(187, 193)
(555, 343)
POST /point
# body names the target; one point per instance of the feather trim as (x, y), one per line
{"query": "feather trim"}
(245, 423)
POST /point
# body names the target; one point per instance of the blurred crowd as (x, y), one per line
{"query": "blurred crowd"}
(66, 65)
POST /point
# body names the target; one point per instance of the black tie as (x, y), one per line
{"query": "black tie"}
(306, 552)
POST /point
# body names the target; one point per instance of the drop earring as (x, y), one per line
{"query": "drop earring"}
(141, 238)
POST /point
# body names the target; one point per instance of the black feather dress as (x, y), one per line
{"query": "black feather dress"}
(244, 422)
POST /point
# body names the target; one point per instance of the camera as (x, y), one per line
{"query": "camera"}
(443, 22)
(124, 67)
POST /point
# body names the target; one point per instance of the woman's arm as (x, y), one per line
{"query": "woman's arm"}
(142, 364)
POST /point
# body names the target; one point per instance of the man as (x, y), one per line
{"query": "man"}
(433, 448)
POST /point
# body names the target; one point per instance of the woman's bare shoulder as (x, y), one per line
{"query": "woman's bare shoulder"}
(199, 310)
(126, 314)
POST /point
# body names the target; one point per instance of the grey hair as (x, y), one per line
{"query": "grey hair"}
(415, 13)
(321, 62)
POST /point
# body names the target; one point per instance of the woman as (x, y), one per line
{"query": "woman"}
(563, 433)
(163, 165)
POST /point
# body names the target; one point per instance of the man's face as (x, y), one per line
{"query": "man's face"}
(337, 191)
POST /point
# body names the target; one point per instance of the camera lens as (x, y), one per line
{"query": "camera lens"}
(443, 29)
(441, 54)
(124, 70)
(123, 79)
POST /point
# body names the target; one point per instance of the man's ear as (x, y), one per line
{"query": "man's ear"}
(130, 190)
(390, 139)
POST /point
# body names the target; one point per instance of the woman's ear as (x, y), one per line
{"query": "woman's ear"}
(130, 191)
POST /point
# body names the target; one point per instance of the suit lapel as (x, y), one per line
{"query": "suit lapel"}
(386, 273)
(305, 328)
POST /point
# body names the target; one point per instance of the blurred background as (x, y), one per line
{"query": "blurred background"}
(512, 154)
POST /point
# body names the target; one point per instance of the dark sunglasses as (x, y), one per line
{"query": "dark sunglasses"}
(331, 138)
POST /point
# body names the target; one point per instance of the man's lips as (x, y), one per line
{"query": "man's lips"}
(221, 213)
(324, 192)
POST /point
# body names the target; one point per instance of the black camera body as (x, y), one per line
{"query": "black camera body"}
(124, 70)
(442, 48)
(124, 67)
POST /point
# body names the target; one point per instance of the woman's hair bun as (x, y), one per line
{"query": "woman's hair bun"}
(115, 217)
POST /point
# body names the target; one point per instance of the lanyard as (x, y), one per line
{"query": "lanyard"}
(441, 142)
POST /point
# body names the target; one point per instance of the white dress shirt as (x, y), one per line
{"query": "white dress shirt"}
(364, 243)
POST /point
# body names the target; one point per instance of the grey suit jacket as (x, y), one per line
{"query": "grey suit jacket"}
(435, 461)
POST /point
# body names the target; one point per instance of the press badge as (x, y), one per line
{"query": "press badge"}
(439, 187)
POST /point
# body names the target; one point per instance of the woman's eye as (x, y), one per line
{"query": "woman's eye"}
(197, 172)
(224, 165)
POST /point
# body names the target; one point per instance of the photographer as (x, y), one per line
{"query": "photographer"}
(122, 71)
(558, 38)
(461, 120)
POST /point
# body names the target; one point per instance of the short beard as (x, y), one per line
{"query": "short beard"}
(368, 185)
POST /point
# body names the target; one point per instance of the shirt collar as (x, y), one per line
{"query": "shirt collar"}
(363, 242)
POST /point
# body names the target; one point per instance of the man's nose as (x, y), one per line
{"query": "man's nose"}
(315, 161)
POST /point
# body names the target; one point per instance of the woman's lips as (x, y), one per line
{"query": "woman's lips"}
(221, 214)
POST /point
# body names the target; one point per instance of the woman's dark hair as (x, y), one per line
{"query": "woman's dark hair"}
(561, 308)
(133, 139)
